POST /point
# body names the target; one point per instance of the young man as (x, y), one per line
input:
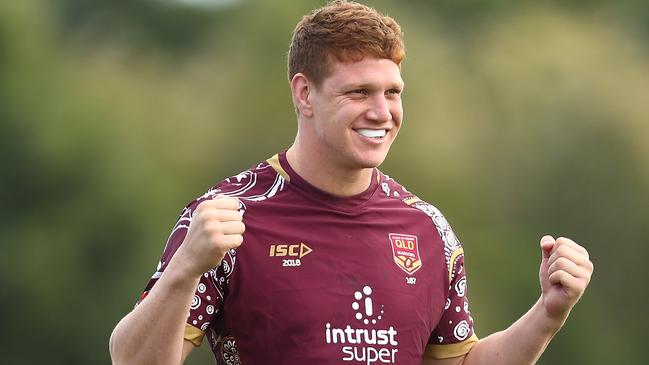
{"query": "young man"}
(338, 263)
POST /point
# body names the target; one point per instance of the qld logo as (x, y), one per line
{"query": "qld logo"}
(405, 252)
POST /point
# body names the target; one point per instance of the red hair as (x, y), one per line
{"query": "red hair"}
(347, 31)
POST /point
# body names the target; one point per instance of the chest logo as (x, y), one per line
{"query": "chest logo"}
(291, 254)
(298, 250)
(405, 252)
(366, 341)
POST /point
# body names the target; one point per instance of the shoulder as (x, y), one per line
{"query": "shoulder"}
(258, 183)
(396, 191)
(451, 244)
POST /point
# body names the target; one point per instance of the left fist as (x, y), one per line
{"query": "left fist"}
(564, 274)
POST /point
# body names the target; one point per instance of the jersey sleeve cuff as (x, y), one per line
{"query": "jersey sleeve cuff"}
(193, 335)
(450, 350)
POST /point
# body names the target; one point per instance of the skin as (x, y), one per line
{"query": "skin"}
(331, 154)
(158, 322)
(328, 150)
(564, 274)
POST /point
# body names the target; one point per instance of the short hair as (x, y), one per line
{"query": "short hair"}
(346, 30)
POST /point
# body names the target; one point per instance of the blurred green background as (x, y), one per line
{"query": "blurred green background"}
(521, 118)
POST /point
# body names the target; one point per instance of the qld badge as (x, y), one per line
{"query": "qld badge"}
(406, 252)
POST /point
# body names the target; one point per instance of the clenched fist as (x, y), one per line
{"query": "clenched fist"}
(564, 274)
(215, 228)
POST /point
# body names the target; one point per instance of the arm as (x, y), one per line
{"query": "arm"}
(153, 332)
(564, 275)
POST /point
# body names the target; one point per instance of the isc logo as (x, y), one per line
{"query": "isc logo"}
(298, 250)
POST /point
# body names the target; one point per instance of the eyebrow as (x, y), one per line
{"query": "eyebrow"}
(370, 86)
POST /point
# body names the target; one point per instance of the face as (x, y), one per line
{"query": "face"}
(357, 112)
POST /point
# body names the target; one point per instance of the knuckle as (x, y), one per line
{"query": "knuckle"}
(568, 243)
(232, 215)
(206, 213)
(555, 276)
(557, 266)
(200, 218)
(238, 239)
(590, 266)
(227, 202)
(554, 267)
(216, 238)
(563, 250)
(205, 204)
(213, 227)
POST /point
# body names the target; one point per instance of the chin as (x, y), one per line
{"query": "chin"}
(364, 158)
(370, 162)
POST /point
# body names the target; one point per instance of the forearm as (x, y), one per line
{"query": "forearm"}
(520, 344)
(153, 332)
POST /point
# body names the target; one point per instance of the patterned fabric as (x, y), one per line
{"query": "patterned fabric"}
(374, 278)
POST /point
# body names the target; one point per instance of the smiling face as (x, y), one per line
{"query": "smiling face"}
(355, 114)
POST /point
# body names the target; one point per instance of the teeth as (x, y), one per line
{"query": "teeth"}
(372, 133)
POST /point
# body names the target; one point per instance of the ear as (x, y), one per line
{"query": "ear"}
(300, 89)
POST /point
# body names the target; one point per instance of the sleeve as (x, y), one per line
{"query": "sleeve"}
(454, 335)
(211, 289)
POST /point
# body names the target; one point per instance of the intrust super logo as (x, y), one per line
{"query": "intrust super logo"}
(364, 342)
(364, 306)
(293, 252)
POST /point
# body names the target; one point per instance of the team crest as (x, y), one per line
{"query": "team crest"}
(406, 252)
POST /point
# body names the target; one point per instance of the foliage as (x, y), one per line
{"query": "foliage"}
(521, 119)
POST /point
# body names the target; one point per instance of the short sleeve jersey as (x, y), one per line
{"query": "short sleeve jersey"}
(376, 278)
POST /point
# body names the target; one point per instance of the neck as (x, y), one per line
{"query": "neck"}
(325, 174)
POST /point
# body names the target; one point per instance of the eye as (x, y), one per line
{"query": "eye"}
(394, 92)
(361, 91)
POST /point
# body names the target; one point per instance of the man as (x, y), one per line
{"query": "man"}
(338, 263)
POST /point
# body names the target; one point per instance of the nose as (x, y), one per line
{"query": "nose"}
(379, 109)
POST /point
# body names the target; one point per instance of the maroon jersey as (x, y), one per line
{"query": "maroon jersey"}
(376, 278)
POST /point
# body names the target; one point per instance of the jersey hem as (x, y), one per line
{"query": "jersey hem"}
(193, 335)
(450, 350)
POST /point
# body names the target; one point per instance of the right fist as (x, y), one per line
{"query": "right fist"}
(215, 228)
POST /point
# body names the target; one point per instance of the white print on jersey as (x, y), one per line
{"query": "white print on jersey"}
(367, 313)
(366, 345)
(451, 242)
(386, 188)
(241, 187)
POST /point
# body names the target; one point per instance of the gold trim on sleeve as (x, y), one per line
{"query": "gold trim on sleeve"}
(274, 163)
(451, 262)
(411, 200)
(193, 334)
(451, 350)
